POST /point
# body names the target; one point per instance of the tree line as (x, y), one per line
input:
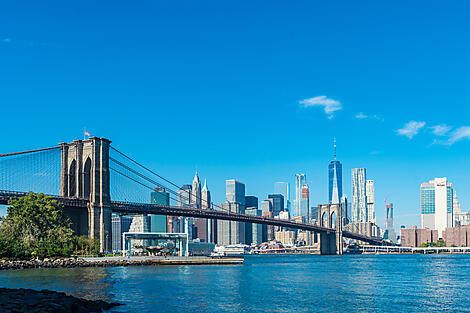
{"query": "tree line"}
(36, 227)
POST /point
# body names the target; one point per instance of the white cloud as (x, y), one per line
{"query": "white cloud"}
(411, 129)
(440, 130)
(361, 116)
(329, 105)
(459, 134)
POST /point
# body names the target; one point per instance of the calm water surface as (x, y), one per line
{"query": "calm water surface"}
(351, 283)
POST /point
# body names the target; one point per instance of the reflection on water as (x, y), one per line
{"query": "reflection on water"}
(350, 283)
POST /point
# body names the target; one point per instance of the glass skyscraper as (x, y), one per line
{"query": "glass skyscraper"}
(335, 180)
(437, 205)
(300, 181)
(358, 197)
(235, 192)
(283, 189)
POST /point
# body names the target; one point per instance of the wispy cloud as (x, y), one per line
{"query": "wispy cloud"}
(6, 40)
(363, 116)
(459, 134)
(329, 105)
(411, 129)
(440, 130)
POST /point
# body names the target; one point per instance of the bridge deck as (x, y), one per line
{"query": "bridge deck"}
(143, 208)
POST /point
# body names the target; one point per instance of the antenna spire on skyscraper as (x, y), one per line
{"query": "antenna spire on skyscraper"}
(334, 144)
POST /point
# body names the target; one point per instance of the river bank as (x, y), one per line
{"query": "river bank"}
(29, 300)
(116, 261)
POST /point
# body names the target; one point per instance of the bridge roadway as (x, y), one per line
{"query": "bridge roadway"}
(144, 208)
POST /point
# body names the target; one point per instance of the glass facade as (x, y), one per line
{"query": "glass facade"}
(358, 198)
(427, 200)
(158, 223)
(335, 182)
(450, 200)
(278, 203)
(235, 191)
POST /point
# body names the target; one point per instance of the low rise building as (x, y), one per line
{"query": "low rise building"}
(458, 236)
(286, 237)
(415, 237)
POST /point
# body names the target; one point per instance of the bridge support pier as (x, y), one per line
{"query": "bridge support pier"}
(85, 175)
(331, 217)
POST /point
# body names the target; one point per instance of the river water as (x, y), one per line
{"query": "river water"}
(286, 283)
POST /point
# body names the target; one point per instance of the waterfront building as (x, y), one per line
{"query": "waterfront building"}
(184, 195)
(370, 200)
(284, 215)
(235, 191)
(266, 206)
(300, 180)
(267, 211)
(335, 180)
(140, 224)
(458, 236)
(415, 237)
(436, 205)
(277, 202)
(231, 232)
(286, 237)
(305, 238)
(120, 224)
(282, 188)
(159, 223)
(305, 203)
(389, 228)
(358, 195)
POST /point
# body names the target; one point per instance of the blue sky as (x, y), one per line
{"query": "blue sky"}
(253, 90)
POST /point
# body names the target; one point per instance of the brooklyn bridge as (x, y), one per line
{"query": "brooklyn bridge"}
(93, 179)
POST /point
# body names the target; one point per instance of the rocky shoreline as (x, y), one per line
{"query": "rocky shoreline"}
(29, 300)
(73, 262)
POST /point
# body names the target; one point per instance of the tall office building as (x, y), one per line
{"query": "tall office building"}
(300, 181)
(278, 203)
(186, 224)
(345, 210)
(120, 224)
(389, 228)
(235, 191)
(335, 180)
(282, 188)
(370, 201)
(196, 192)
(437, 205)
(230, 232)
(358, 195)
(158, 223)
(267, 211)
(251, 202)
(254, 233)
(305, 203)
(202, 225)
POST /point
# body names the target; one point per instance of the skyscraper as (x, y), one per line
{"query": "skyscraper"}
(278, 203)
(282, 188)
(358, 195)
(158, 223)
(196, 192)
(300, 181)
(345, 210)
(335, 180)
(202, 225)
(370, 201)
(389, 229)
(437, 205)
(235, 191)
(184, 199)
(305, 203)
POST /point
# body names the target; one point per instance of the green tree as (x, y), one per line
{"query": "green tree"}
(35, 225)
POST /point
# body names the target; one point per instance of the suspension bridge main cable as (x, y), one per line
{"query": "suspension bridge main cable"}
(25, 152)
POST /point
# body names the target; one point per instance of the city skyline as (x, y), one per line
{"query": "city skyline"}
(300, 87)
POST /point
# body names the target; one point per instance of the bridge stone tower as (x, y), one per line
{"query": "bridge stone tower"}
(85, 174)
(330, 216)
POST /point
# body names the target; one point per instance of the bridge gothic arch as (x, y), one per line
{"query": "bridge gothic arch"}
(333, 220)
(85, 175)
(331, 242)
